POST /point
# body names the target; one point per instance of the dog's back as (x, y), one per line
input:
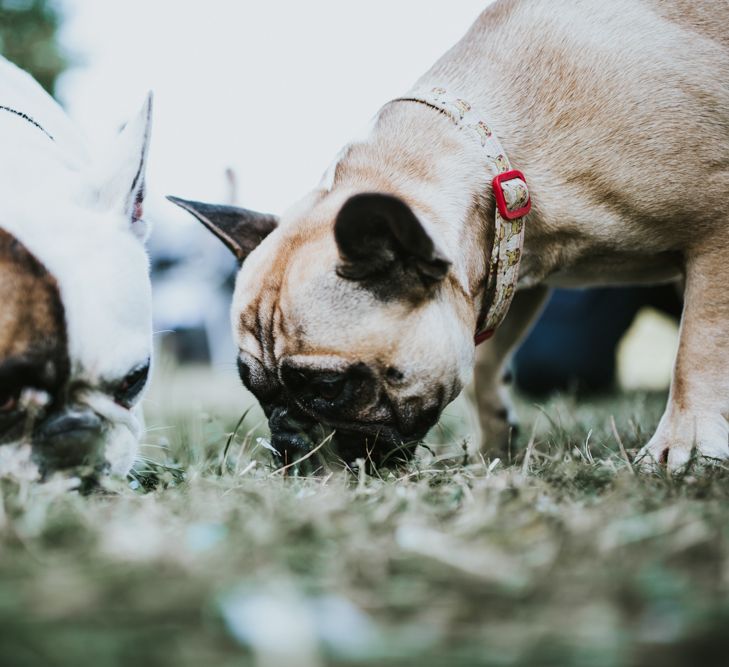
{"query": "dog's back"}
(703, 17)
(25, 108)
(590, 96)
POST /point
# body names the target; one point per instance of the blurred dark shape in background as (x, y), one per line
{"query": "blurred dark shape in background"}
(573, 345)
(29, 38)
(193, 277)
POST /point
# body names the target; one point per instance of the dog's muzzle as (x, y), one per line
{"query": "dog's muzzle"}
(68, 439)
(294, 434)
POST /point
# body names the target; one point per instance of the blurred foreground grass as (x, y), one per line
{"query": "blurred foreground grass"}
(565, 559)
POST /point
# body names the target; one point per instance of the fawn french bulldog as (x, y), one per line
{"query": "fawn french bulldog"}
(356, 311)
(75, 297)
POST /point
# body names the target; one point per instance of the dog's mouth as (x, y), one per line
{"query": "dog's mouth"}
(295, 434)
(382, 447)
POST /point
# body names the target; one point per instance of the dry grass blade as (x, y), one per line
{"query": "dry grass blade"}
(623, 452)
(305, 457)
(530, 447)
(224, 458)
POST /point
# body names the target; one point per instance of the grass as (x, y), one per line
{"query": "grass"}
(216, 559)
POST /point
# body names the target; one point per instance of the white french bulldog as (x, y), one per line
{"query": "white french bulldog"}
(75, 295)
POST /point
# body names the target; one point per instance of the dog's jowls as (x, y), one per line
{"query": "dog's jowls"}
(358, 312)
(75, 321)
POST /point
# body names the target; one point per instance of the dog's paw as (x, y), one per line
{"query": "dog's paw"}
(679, 440)
(498, 419)
(658, 453)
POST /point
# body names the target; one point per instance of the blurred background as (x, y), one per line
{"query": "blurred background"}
(252, 101)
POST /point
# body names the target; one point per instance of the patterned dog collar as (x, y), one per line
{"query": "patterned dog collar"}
(512, 204)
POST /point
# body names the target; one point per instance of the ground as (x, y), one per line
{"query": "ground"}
(559, 556)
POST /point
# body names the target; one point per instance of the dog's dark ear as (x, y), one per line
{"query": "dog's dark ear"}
(378, 234)
(240, 229)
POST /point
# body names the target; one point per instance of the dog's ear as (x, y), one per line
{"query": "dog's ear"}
(378, 234)
(120, 178)
(239, 229)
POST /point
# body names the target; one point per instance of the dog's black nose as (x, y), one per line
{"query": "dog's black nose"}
(69, 438)
(312, 383)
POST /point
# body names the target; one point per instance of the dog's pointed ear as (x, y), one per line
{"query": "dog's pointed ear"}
(378, 233)
(239, 229)
(120, 177)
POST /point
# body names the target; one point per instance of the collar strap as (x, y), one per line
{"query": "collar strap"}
(512, 204)
(26, 117)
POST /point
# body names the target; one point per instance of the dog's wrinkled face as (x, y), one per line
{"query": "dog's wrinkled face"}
(75, 323)
(346, 321)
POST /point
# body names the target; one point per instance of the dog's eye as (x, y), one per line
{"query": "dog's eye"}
(131, 386)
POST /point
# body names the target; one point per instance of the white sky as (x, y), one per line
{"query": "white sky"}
(273, 89)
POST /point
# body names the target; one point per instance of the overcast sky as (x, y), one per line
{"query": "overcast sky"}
(273, 88)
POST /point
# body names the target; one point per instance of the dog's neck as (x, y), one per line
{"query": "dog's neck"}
(419, 154)
(38, 172)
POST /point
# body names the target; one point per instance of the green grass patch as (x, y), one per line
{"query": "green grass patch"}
(214, 558)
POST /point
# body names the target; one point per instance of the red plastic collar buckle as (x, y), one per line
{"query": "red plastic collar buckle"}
(501, 200)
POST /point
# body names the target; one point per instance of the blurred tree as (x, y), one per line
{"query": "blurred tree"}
(28, 37)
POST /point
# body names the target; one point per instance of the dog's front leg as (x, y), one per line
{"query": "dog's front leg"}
(495, 409)
(698, 403)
